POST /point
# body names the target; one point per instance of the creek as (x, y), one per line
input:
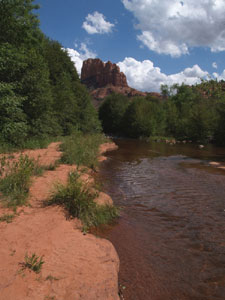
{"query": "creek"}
(171, 234)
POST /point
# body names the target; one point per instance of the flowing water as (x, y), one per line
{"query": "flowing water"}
(171, 234)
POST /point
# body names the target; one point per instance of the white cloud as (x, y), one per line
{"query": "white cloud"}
(96, 23)
(214, 65)
(79, 57)
(219, 76)
(172, 27)
(144, 76)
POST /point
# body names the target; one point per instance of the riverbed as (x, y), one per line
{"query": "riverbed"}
(171, 234)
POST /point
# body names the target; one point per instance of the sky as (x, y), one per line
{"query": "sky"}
(154, 42)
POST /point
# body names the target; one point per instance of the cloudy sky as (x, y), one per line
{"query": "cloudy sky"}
(153, 41)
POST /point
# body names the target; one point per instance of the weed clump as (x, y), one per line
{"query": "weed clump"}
(7, 218)
(81, 149)
(15, 179)
(33, 262)
(78, 200)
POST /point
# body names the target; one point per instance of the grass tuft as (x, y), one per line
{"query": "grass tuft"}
(78, 200)
(52, 166)
(51, 278)
(7, 218)
(81, 149)
(33, 262)
(15, 179)
(31, 143)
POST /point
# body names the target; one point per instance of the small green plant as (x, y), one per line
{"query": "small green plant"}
(15, 179)
(78, 200)
(7, 218)
(33, 262)
(50, 298)
(52, 166)
(51, 278)
(81, 149)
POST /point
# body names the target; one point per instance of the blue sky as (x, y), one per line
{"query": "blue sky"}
(153, 42)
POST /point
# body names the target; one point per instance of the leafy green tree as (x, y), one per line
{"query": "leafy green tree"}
(111, 113)
(219, 133)
(88, 116)
(71, 101)
(144, 118)
(13, 124)
(42, 75)
(18, 24)
(172, 118)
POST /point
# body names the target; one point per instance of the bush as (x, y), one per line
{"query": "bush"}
(78, 200)
(7, 218)
(111, 113)
(33, 262)
(13, 125)
(81, 149)
(16, 179)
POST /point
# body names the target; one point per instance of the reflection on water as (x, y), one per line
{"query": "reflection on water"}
(171, 235)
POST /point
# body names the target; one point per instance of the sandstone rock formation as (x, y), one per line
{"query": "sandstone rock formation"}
(96, 74)
(103, 79)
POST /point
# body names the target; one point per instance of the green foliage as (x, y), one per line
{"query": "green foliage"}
(51, 278)
(191, 113)
(16, 179)
(133, 118)
(72, 104)
(219, 136)
(144, 118)
(37, 142)
(88, 116)
(17, 23)
(33, 262)
(63, 77)
(40, 91)
(112, 111)
(7, 218)
(13, 125)
(195, 112)
(81, 149)
(78, 200)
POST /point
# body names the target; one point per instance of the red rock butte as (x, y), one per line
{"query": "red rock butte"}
(97, 74)
(103, 79)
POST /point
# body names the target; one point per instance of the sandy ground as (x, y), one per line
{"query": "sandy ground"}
(76, 266)
(217, 165)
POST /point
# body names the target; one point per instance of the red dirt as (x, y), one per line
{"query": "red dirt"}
(76, 266)
(104, 148)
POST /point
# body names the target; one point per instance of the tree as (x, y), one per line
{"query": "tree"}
(13, 125)
(111, 113)
(18, 24)
(144, 118)
(71, 101)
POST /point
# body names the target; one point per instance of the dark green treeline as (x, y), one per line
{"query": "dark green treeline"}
(196, 113)
(40, 91)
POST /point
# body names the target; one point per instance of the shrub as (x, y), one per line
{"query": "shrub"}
(81, 149)
(33, 262)
(78, 200)
(7, 218)
(16, 179)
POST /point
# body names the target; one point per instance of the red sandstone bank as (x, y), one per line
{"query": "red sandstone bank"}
(76, 266)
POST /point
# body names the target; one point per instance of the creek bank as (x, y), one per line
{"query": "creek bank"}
(217, 165)
(76, 266)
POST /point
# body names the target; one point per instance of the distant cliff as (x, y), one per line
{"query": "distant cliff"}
(103, 79)
(97, 74)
